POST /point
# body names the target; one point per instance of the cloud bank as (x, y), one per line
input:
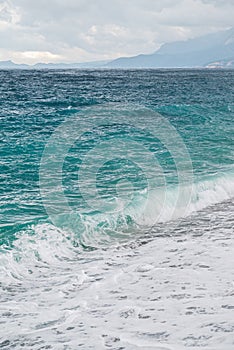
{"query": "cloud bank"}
(86, 30)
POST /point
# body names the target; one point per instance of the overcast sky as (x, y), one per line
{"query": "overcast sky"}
(85, 30)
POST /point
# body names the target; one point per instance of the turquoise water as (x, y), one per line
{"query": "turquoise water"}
(198, 104)
(116, 221)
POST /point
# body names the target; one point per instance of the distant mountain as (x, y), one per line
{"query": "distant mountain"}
(211, 51)
(95, 64)
(12, 65)
(191, 53)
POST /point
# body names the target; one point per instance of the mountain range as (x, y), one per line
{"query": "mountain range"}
(214, 50)
(11, 65)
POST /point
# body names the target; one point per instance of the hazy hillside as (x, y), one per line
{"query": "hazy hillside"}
(12, 65)
(196, 52)
(211, 51)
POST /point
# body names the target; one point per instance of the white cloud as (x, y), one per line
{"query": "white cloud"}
(80, 30)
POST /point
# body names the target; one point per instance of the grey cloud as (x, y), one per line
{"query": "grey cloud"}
(219, 2)
(102, 28)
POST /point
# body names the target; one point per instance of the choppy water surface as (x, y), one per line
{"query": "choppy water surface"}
(102, 278)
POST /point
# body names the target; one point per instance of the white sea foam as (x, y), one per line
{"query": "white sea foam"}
(163, 206)
(171, 293)
(204, 193)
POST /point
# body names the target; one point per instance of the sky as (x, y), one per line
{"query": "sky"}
(87, 30)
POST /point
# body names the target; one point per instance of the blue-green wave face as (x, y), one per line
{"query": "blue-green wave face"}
(107, 154)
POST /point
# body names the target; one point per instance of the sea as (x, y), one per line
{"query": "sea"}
(116, 209)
